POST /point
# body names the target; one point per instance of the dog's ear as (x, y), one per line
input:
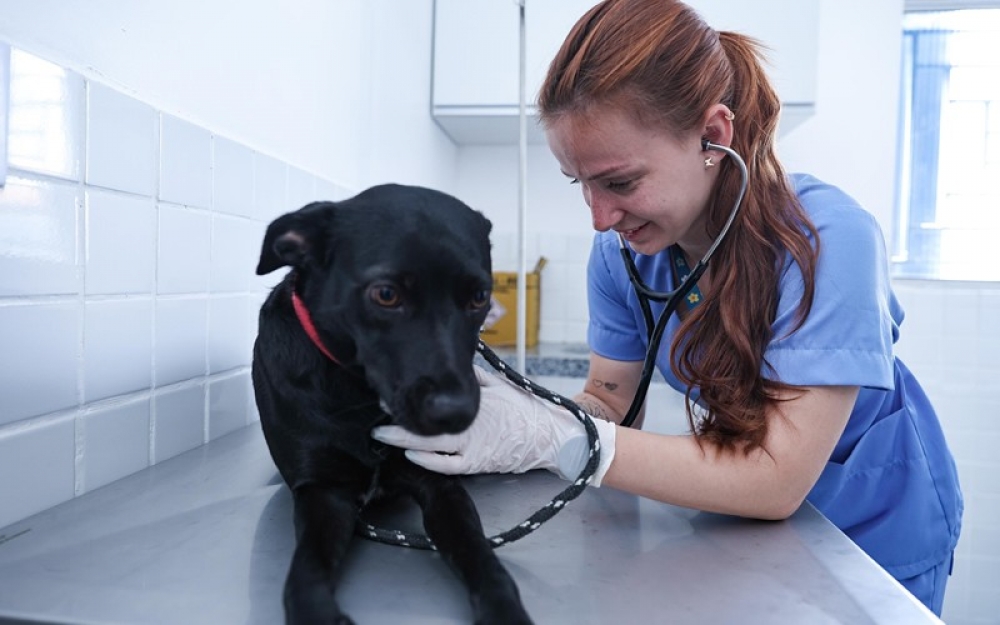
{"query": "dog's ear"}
(295, 239)
(486, 223)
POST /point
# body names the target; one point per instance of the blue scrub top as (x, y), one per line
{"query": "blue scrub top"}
(891, 483)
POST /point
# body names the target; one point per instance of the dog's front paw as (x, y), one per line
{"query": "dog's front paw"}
(317, 608)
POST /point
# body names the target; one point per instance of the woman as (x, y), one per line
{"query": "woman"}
(786, 350)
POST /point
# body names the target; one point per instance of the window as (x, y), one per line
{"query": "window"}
(948, 211)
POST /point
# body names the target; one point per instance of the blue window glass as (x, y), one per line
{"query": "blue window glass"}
(948, 211)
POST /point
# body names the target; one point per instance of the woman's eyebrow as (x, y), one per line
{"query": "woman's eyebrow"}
(605, 173)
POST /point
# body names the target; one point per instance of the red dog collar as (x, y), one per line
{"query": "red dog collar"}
(307, 324)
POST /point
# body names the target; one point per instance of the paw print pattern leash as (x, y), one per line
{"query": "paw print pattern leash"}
(420, 541)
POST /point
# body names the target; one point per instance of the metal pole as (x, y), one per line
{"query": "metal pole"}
(522, 200)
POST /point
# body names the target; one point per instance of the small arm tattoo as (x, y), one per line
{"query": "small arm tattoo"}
(611, 386)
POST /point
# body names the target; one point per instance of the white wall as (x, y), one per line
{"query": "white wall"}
(851, 141)
(322, 85)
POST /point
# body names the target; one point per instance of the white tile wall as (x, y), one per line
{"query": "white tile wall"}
(117, 348)
(122, 134)
(179, 420)
(235, 247)
(46, 119)
(184, 250)
(951, 341)
(228, 400)
(39, 361)
(40, 248)
(230, 335)
(232, 167)
(270, 183)
(301, 188)
(119, 255)
(181, 339)
(185, 163)
(128, 301)
(42, 458)
(115, 442)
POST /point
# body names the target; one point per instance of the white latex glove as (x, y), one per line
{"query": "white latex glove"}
(514, 432)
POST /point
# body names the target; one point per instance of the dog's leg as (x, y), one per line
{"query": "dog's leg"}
(452, 522)
(324, 526)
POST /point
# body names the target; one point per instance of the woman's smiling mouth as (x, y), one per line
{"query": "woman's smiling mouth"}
(633, 233)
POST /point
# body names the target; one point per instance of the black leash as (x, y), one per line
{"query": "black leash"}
(420, 541)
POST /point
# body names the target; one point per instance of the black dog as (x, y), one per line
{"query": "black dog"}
(376, 323)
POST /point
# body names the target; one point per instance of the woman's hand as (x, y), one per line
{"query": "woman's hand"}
(513, 432)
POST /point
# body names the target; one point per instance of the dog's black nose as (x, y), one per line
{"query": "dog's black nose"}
(448, 413)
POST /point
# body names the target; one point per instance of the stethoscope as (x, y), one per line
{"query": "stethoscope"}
(654, 331)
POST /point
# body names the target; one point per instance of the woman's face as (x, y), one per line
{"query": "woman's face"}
(649, 185)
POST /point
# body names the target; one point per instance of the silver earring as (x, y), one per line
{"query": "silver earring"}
(709, 163)
(730, 116)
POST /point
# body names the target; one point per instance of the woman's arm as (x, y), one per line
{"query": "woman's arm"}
(768, 483)
(610, 387)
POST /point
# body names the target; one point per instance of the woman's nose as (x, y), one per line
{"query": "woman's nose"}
(603, 212)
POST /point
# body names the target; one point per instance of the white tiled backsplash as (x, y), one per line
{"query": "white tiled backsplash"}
(128, 300)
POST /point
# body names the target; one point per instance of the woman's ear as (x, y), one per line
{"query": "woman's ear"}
(718, 125)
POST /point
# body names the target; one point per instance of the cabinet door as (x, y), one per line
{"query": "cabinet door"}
(547, 22)
(476, 53)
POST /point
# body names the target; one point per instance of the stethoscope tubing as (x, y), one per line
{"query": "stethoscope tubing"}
(645, 294)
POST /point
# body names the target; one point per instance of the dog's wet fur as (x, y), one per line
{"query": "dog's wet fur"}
(397, 282)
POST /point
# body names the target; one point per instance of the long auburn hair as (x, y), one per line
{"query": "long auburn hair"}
(658, 60)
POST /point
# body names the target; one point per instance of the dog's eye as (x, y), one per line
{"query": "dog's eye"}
(385, 295)
(480, 299)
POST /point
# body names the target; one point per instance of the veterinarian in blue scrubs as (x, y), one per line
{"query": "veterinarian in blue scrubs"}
(786, 348)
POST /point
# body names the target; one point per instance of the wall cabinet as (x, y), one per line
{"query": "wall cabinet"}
(477, 47)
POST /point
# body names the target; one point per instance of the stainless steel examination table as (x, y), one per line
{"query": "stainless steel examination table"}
(206, 537)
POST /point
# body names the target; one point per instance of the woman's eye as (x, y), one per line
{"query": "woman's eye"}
(612, 185)
(480, 299)
(385, 295)
(619, 185)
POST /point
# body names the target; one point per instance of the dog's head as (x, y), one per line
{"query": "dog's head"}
(397, 281)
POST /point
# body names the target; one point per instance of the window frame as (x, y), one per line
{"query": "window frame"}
(919, 221)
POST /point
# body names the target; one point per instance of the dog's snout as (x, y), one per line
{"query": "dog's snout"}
(449, 412)
(440, 407)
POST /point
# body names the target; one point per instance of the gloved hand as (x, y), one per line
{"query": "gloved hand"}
(514, 432)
